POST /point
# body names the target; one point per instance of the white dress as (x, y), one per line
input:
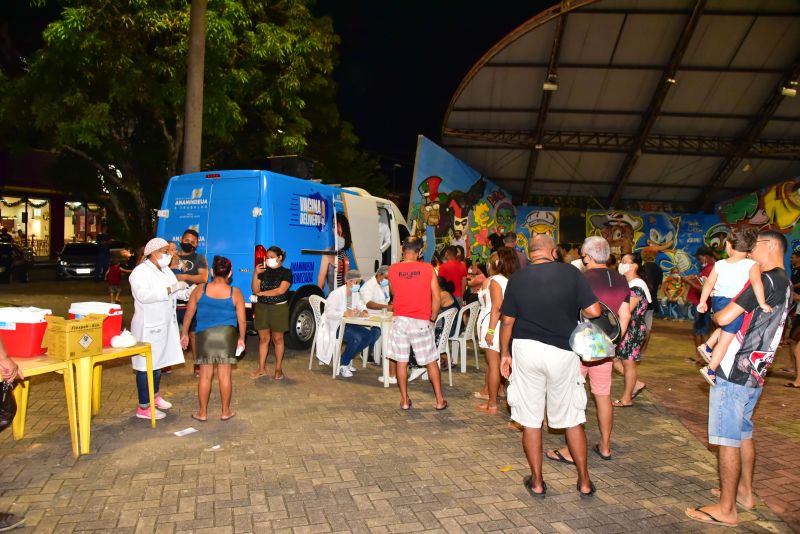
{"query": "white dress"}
(485, 298)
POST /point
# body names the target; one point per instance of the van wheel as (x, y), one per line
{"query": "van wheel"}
(301, 326)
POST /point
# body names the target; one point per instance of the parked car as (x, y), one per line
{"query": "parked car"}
(15, 262)
(79, 260)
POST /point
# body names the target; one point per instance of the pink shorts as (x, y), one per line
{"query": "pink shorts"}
(599, 375)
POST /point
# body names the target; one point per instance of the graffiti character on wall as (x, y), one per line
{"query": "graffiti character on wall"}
(505, 217)
(620, 229)
(430, 209)
(715, 239)
(482, 221)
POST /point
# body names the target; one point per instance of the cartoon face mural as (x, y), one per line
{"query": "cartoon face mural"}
(620, 229)
(660, 233)
(541, 222)
(715, 239)
(505, 217)
(429, 189)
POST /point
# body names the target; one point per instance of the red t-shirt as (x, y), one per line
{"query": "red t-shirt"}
(693, 295)
(114, 275)
(454, 272)
(411, 288)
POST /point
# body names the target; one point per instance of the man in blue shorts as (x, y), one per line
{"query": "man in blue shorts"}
(740, 378)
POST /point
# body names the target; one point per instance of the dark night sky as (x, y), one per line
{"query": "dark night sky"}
(400, 62)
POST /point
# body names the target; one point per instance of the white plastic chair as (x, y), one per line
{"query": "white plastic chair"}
(466, 333)
(316, 303)
(443, 346)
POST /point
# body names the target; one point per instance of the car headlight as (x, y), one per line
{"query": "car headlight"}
(62, 263)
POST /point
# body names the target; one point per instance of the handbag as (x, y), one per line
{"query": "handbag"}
(8, 406)
(590, 342)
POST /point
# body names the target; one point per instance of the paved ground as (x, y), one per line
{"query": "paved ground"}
(310, 454)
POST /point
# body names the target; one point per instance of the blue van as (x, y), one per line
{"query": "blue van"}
(239, 214)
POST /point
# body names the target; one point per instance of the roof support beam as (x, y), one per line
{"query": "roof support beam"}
(750, 136)
(550, 181)
(544, 102)
(618, 112)
(682, 145)
(606, 66)
(660, 94)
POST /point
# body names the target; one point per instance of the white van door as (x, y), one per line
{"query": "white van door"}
(362, 213)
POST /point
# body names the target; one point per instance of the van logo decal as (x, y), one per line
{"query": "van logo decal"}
(311, 210)
(194, 200)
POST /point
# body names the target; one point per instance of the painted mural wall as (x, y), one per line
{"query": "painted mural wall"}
(452, 203)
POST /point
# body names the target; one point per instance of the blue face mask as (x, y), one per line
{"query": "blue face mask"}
(356, 288)
(385, 283)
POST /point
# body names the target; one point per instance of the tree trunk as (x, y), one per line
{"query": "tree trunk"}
(192, 146)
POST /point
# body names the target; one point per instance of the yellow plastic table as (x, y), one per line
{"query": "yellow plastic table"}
(38, 366)
(88, 382)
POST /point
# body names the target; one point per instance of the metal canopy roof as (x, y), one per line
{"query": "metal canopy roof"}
(678, 101)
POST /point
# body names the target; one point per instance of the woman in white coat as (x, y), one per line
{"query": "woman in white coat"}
(155, 290)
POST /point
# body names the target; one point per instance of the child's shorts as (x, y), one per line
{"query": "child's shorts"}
(115, 290)
(717, 303)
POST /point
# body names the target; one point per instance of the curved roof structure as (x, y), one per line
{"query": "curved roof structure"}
(681, 101)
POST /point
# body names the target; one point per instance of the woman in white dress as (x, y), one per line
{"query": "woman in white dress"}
(501, 265)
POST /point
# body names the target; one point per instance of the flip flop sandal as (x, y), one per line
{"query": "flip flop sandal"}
(590, 492)
(231, 416)
(444, 407)
(791, 385)
(405, 409)
(559, 457)
(709, 519)
(479, 395)
(636, 393)
(600, 454)
(198, 418)
(715, 492)
(618, 404)
(276, 377)
(528, 483)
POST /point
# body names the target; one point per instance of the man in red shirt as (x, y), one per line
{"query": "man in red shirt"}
(702, 321)
(454, 272)
(416, 306)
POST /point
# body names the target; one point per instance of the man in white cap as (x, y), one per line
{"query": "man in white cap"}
(155, 291)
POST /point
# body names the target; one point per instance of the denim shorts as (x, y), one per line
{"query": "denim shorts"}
(702, 322)
(730, 413)
(717, 304)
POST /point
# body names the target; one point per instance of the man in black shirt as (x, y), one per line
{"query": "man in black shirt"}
(740, 378)
(194, 269)
(540, 310)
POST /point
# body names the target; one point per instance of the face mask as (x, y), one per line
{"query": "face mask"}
(188, 248)
(164, 260)
(272, 263)
(339, 242)
(385, 283)
(623, 268)
(356, 288)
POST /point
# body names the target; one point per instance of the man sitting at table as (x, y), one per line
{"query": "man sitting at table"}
(342, 302)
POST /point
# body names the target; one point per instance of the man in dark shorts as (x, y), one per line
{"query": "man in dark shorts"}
(194, 269)
(540, 310)
(702, 321)
(611, 289)
(740, 378)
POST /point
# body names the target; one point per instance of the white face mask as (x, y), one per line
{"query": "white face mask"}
(272, 263)
(339, 242)
(623, 268)
(164, 260)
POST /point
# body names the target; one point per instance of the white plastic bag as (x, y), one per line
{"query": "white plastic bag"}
(590, 342)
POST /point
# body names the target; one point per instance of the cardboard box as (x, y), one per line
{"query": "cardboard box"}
(76, 338)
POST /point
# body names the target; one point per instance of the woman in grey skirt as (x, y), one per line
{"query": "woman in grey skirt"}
(219, 333)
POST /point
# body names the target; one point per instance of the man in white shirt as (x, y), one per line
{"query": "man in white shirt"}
(384, 237)
(375, 293)
(345, 301)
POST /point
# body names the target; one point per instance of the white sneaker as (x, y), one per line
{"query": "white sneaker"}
(416, 373)
(162, 404)
(352, 368)
(392, 379)
(345, 372)
(144, 413)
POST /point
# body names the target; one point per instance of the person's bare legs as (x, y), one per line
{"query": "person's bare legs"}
(280, 349)
(435, 376)
(576, 442)
(492, 379)
(730, 469)
(263, 350)
(796, 353)
(225, 389)
(532, 445)
(629, 372)
(204, 390)
(605, 421)
(402, 383)
(392, 368)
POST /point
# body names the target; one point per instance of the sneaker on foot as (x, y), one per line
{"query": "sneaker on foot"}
(10, 521)
(392, 379)
(709, 375)
(144, 413)
(162, 404)
(416, 373)
(704, 352)
(352, 368)
(345, 372)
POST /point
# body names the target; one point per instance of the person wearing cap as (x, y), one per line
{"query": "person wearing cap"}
(343, 302)
(702, 321)
(155, 292)
(375, 295)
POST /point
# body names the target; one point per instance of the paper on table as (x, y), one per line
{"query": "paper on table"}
(185, 432)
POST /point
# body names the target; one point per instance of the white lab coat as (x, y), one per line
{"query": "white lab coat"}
(335, 306)
(154, 318)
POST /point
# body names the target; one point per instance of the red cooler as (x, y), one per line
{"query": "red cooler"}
(112, 326)
(22, 331)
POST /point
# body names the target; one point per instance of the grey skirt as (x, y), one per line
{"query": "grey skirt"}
(216, 345)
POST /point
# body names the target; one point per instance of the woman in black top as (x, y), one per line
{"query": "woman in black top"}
(339, 263)
(271, 282)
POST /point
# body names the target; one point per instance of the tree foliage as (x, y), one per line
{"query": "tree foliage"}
(108, 86)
